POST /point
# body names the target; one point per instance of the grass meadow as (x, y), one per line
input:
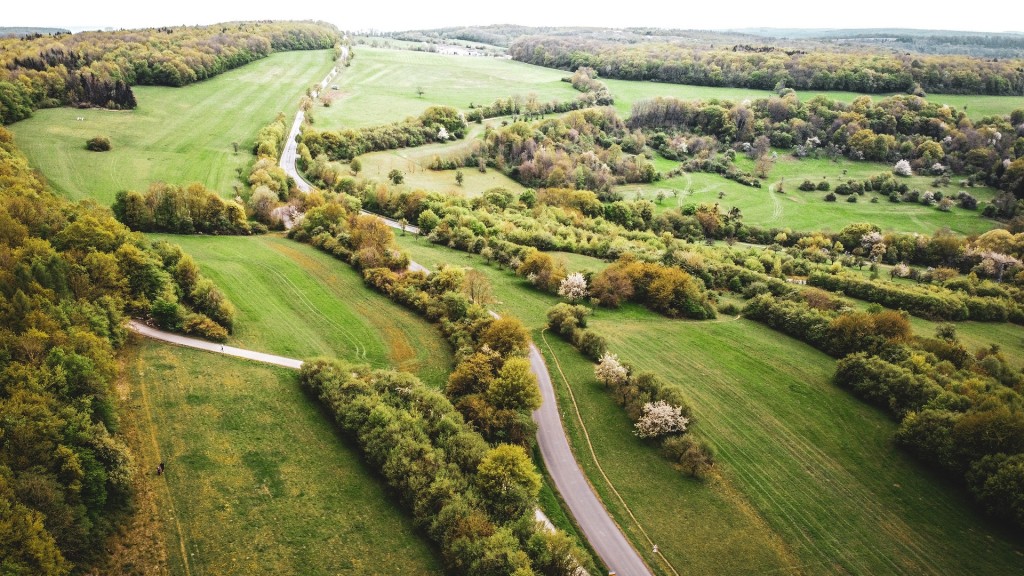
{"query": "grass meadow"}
(381, 85)
(799, 210)
(626, 92)
(296, 301)
(414, 162)
(176, 135)
(257, 480)
(809, 481)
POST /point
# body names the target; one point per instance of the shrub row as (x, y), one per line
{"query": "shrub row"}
(475, 502)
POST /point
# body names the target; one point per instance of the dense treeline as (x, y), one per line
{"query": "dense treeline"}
(435, 124)
(192, 209)
(933, 302)
(958, 411)
(475, 501)
(99, 68)
(70, 276)
(862, 71)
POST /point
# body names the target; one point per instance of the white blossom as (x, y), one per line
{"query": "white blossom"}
(660, 418)
(609, 371)
(902, 168)
(573, 287)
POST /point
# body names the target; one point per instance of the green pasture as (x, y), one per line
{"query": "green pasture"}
(414, 164)
(381, 85)
(257, 480)
(809, 479)
(296, 301)
(799, 210)
(626, 92)
(176, 135)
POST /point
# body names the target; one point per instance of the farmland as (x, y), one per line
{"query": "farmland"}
(806, 468)
(237, 496)
(176, 135)
(297, 302)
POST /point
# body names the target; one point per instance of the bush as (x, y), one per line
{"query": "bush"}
(830, 197)
(98, 144)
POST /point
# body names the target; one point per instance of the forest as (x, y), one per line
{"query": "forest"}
(71, 275)
(99, 68)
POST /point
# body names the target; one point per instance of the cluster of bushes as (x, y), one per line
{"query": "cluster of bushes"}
(191, 209)
(665, 289)
(594, 93)
(435, 124)
(99, 68)
(474, 501)
(71, 274)
(270, 139)
(570, 322)
(963, 419)
(933, 302)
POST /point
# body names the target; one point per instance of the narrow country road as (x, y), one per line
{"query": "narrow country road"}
(601, 531)
(140, 328)
(290, 153)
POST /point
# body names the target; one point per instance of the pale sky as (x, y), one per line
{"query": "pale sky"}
(355, 15)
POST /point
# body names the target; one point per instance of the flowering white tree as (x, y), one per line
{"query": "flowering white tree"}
(660, 418)
(901, 270)
(573, 287)
(902, 168)
(609, 371)
(442, 134)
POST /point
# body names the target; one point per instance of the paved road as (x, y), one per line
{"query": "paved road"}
(289, 154)
(180, 340)
(604, 535)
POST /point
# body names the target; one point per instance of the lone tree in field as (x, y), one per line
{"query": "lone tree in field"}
(459, 177)
(902, 168)
(420, 91)
(355, 166)
(98, 144)
(396, 176)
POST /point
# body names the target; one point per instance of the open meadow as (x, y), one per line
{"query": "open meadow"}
(382, 85)
(626, 92)
(809, 479)
(176, 135)
(799, 210)
(257, 480)
(296, 301)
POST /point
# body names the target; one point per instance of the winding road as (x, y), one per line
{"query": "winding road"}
(603, 534)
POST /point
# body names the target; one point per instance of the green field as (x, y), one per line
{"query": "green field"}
(257, 480)
(810, 480)
(626, 92)
(176, 135)
(296, 301)
(381, 85)
(414, 163)
(799, 210)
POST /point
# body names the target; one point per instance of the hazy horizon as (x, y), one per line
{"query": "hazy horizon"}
(985, 16)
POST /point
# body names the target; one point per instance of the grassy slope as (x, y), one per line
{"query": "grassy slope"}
(807, 210)
(177, 135)
(626, 92)
(295, 301)
(380, 86)
(810, 480)
(237, 496)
